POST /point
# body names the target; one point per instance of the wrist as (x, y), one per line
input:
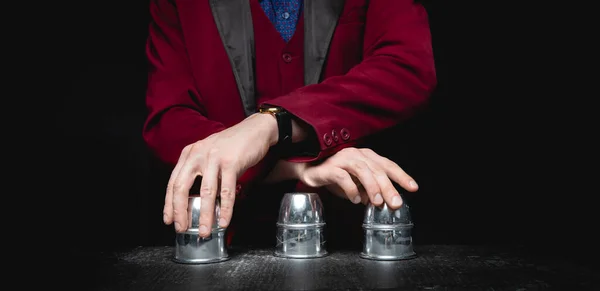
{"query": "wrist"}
(270, 129)
(285, 171)
(298, 170)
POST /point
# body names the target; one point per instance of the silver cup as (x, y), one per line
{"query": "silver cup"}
(387, 233)
(190, 248)
(301, 227)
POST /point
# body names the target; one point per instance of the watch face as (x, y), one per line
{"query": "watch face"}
(270, 110)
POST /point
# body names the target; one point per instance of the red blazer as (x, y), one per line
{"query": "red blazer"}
(368, 65)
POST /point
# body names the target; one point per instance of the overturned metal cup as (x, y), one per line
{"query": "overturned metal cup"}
(301, 227)
(387, 233)
(190, 248)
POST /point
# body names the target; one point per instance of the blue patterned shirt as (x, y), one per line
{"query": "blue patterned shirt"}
(283, 14)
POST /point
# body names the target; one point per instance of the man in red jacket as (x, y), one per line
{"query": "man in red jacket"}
(247, 92)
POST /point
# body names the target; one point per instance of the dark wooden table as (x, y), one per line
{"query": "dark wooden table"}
(436, 268)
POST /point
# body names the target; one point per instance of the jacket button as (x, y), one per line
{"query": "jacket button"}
(345, 134)
(287, 58)
(335, 136)
(238, 189)
(327, 139)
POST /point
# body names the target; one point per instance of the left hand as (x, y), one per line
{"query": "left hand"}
(360, 175)
(220, 159)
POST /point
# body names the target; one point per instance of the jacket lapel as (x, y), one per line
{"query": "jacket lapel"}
(234, 22)
(320, 21)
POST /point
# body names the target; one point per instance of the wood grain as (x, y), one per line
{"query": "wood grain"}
(435, 268)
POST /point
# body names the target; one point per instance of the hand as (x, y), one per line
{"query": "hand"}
(361, 175)
(220, 159)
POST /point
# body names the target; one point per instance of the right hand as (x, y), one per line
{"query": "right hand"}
(361, 175)
(220, 159)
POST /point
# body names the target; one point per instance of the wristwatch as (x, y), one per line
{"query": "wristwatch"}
(284, 123)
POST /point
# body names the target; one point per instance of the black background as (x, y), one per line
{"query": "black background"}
(481, 154)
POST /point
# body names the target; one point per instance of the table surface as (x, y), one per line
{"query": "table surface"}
(436, 268)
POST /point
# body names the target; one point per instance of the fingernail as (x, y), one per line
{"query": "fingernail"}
(165, 218)
(203, 229)
(413, 184)
(356, 199)
(178, 226)
(222, 222)
(378, 199)
(396, 201)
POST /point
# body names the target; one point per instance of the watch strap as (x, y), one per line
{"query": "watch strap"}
(284, 125)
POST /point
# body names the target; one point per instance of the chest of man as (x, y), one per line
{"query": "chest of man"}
(240, 54)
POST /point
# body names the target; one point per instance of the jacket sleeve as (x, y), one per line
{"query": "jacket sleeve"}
(176, 115)
(395, 78)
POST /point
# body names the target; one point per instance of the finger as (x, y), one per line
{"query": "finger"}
(335, 178)
(390, 194)
(168, 208)
(208, 194)
(358, 168)
(336, 190)
(364, 197)
(343, 180)
(339, 192)
(228, 181)
(393, 171)
(181, 190)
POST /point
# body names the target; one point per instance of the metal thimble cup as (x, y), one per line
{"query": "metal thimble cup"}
(190, 248)
(301, 227)
(387, 233)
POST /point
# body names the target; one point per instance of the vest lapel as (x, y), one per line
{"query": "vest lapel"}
(320, 20)
(234, 22)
